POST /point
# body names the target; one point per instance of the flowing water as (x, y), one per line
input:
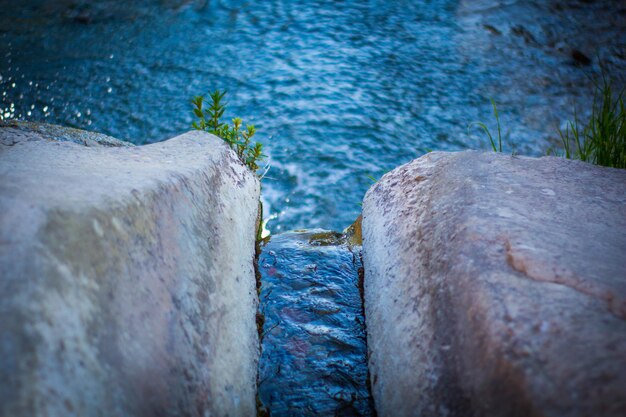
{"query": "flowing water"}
(313, 360)
(338, 90)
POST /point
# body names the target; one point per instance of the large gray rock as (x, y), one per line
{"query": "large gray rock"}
(496, 286)
(127, 284)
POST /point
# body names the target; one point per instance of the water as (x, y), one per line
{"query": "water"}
(338, 89)
(313, 360)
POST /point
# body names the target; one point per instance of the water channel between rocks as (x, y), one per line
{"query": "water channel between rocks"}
(314, 352)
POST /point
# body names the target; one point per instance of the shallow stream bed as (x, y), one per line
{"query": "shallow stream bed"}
(314, 354)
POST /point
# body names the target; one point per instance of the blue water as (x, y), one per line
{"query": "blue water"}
(313, 360)
(337, 89)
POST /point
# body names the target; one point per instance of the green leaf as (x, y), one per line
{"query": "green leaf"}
(486, 130)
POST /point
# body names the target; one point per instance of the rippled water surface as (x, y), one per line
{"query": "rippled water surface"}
(313, 360)
(337, 89)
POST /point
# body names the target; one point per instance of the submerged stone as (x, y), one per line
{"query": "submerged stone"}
(314, 354)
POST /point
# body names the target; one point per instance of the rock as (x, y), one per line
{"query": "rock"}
(127, 283)
(19, 131)
(495, 286)
(492, 29)
(524, 33)
(353, 232)
(580, 57)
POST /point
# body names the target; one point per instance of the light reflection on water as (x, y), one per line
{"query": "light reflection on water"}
(313, 360)
(337, 90)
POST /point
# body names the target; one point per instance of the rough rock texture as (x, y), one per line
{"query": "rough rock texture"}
(496, 286)
(19, 131)
(126, 278)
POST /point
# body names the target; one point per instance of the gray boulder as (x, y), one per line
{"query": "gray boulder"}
(127, 285)
(496, 286)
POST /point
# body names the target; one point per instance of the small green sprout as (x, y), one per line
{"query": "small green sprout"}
(237, 137)
(486, 129)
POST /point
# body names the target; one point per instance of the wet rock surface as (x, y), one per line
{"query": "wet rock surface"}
(127, 284)
(496, 286)
(550, 54)
(574, 31)
(313, 360)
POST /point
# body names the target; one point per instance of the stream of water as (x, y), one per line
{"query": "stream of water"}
(338, 91)
(314, 351)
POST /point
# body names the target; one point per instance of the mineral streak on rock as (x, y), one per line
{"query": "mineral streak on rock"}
(495, 285)
(126, 276)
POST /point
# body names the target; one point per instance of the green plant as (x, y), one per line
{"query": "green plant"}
(602, 141)
(371, 178)
(237, 137)
(486, 129)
